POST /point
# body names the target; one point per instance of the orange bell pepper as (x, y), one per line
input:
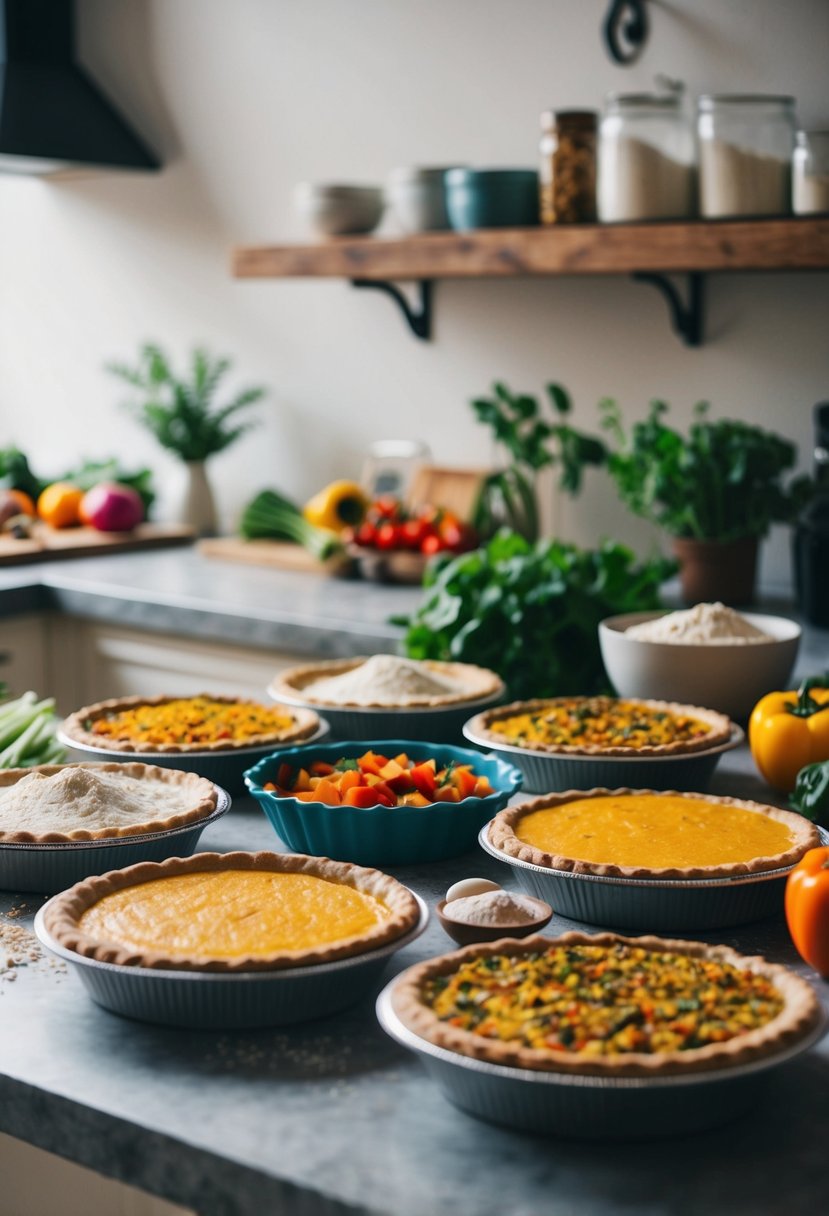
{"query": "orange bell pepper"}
(807, 908)
(788, 730)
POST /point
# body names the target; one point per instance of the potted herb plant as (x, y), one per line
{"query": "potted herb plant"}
(185, 418)
(716, 491)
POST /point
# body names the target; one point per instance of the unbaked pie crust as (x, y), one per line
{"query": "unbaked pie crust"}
(298, 682)
(64, 916)
(800, 1014)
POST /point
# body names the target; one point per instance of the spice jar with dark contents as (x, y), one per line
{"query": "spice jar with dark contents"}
(568, 167)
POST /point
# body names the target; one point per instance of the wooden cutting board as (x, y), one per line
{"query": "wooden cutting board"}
(279, 554)
(48, 543)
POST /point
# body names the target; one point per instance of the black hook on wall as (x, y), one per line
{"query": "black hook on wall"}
(626, 30)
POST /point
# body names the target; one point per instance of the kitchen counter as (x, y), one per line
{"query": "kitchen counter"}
(332, 1117)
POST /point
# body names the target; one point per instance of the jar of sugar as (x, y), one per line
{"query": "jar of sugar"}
(646, 159)
(745, 154)
(810, 173)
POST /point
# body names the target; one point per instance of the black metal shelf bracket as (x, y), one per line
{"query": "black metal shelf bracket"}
(626, 30)
(419, 318)
(687, 319)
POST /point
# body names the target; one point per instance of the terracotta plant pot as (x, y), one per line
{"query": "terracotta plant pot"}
(710, 570)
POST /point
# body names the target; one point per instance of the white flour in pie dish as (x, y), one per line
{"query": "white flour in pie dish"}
(702, 625)
(80, 798)
(386, 679)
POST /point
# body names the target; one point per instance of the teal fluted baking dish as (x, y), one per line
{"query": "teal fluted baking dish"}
(378, 835)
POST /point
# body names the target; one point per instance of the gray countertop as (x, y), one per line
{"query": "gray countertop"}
(332, 1117)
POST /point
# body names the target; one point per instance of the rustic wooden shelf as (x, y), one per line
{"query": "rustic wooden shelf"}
(649, 251)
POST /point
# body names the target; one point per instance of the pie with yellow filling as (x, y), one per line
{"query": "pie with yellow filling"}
(170, 725)
(646, 834)
(232, 912)
(606, 1005)
(603, 726)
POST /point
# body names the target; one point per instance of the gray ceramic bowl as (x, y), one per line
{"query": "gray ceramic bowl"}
(339, 210)
(729, 677)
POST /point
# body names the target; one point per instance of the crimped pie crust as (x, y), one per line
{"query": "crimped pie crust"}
(201, 795)
(296, 682)
(503, 837)
(65, 910)
(800, 1014)
(720, 731)
(305, 724)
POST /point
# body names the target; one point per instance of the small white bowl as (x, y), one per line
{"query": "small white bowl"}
(417, 198)
(339, 210)
(729, 677)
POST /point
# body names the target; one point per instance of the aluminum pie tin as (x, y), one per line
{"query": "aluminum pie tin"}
(225, 768)
(425, 723)
(48, 868)
(549, 773)
(591, 1108)
(652, 904)
(204, 1000)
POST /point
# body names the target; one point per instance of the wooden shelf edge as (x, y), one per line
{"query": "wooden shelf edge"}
(708, 246)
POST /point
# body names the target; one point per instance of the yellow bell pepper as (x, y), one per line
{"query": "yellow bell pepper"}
(340, 505)
(788, 730)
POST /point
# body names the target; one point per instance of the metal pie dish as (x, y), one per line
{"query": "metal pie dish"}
(380, 835)
(586, 1107)
(224, 768)
(210, 1000)
(552, 773)
(54, 866)
(651, 904)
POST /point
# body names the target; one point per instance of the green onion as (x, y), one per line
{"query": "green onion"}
(27, 732)
(270, 516)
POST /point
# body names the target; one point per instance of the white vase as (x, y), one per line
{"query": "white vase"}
(198, 508)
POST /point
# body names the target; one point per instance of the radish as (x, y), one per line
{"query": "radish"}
(111, 507)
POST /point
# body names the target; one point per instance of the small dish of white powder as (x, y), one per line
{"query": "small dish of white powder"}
(488, 915)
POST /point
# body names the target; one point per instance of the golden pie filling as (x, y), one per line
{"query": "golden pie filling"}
(231, 914)
(603, 1000)
(653, 831)
(191, 720)
(599, 722)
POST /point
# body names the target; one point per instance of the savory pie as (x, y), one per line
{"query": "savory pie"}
(644, 834)
(605, 1005)
(204, 723)
(385, 681)
(232, 912)
(58, 803)
(604, 726)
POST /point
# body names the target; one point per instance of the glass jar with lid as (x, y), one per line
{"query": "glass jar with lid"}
(646, 161)
(745, 154)
(567, 176)
(810, 173)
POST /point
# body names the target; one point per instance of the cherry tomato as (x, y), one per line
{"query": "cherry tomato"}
(387, 507)
(388, 536)
(431, 544)
(366, 535)
(413, 532)
(458, 536)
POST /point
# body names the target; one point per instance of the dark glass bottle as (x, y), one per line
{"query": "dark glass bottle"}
(811, 538)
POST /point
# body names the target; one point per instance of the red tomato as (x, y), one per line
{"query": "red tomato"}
(388, 536)
(456, 535)
(431, 544)
(413, 532)
(366, 535)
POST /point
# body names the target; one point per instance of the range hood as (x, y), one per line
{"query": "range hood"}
(53, 117)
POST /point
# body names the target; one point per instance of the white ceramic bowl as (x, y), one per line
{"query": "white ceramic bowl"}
(730, 677)
(418, 199)
(334, 210)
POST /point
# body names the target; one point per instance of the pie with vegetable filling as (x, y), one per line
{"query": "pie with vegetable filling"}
(232, 912)
(60, 803)
(387, 682)
(169, 725)
(604, 726)
(643, 834)
(605, 1005)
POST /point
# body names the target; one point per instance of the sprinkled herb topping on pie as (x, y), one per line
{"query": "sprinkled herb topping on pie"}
(599, 722)
(599, 1000)
(192, 720)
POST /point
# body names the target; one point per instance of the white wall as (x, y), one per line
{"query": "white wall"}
(245, 97)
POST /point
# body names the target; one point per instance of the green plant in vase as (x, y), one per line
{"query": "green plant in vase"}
(184, 416)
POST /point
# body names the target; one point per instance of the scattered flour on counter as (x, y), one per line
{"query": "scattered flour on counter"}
(702, 625)
(385, 679)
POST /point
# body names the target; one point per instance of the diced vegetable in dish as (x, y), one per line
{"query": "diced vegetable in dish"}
(27, 732)
(375, 780)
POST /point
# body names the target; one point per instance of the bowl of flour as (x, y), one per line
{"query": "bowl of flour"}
(707, 655)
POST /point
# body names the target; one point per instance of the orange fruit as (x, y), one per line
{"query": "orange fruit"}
(26, 504)
(59, 505)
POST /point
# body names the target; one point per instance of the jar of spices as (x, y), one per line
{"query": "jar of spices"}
(810, 173)
(567, 180)
(745, 154)
(646, 163)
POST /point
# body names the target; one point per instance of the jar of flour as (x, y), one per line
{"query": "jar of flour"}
(646, 159)
(746, 143)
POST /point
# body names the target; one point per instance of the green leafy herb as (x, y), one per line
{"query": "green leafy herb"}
(811, 792)
(15, 473)
(347, 764)
(531, 611)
